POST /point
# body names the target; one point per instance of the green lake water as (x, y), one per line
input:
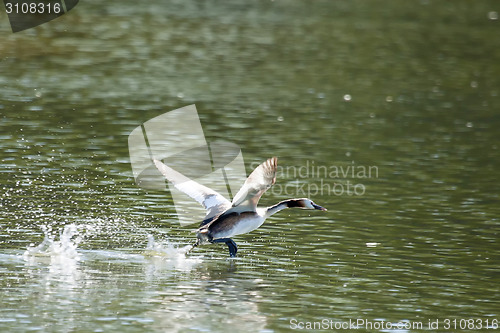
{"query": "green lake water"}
(405, 94)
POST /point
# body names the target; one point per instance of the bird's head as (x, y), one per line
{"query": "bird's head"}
(305, 203)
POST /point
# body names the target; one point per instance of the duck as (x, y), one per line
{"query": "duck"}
(226, 219)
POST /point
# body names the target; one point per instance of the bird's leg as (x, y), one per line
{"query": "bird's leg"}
(232, 247)
(193, 246)
(230, 244)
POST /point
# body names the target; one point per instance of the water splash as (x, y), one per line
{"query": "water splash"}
(65, 247)
(164, 249)
(165, 258)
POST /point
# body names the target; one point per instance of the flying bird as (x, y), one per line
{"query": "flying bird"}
(226, 219)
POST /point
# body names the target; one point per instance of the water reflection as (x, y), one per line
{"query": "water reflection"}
(208, 300)
(195, 294)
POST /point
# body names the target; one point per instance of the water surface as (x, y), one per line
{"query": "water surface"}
(411, 89)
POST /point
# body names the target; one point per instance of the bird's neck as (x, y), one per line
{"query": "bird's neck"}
(282, 205)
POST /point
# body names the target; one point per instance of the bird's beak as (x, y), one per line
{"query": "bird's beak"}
(319, 207)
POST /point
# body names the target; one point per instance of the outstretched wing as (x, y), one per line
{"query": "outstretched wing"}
(262, 178)
(213, 202)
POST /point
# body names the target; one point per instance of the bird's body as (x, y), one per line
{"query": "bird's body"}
(230, 224)
(225, 219)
